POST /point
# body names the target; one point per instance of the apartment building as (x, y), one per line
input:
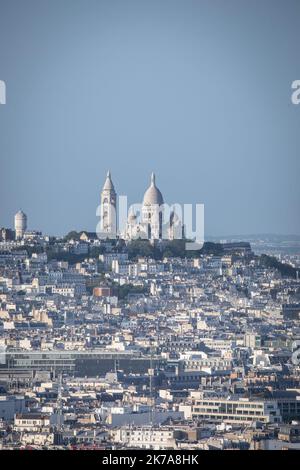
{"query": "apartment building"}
(237, 410)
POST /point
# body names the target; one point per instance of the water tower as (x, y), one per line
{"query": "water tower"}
(20, 224)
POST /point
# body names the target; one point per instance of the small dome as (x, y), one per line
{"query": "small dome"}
(131, 216)
(153, 195)
(20, 214)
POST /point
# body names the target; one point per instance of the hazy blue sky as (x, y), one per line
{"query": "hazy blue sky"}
(196, 90)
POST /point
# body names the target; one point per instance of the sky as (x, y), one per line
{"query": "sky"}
(198, 91)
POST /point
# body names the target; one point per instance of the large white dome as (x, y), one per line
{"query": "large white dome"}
(153, 195)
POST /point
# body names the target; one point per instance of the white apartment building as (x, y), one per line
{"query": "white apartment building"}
(31, 422)
(146, 438)
(236, 410)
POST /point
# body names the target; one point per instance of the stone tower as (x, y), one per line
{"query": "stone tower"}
(108, 222)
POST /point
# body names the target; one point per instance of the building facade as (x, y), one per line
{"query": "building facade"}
(151, 220)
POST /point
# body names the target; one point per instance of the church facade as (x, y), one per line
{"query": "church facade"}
(153, 220)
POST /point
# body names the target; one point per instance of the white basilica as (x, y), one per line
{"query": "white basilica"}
(151, 220)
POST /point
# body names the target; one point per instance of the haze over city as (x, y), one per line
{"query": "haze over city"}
(198, 92)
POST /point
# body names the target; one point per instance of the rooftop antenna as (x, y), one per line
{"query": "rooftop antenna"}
(59, 402)
(151, 371)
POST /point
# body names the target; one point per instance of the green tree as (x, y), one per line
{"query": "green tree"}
(73, 235)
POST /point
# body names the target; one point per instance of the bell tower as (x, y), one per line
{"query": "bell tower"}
(108, 222)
